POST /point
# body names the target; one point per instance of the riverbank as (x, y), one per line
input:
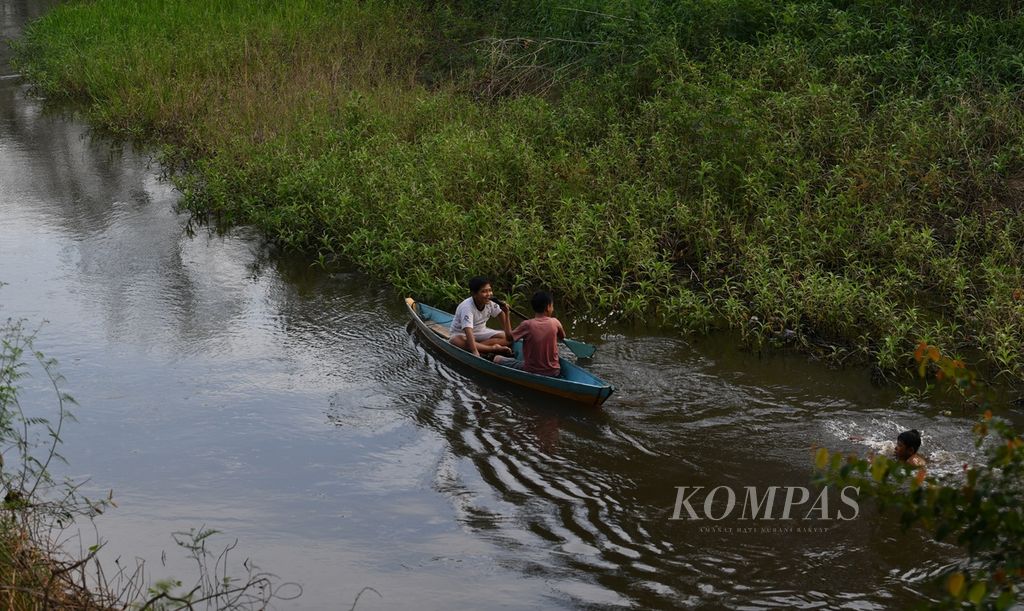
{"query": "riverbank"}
(848, 171)
(32, 576)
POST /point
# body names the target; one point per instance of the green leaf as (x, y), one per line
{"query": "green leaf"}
(879, 466)
(977, 592)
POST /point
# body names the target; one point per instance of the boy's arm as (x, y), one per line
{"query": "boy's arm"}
(561, 331)
(471, 341)
(506, 323)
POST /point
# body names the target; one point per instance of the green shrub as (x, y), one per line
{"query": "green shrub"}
(848, 170)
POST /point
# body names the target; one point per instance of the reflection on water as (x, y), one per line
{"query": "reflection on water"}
(292, 408)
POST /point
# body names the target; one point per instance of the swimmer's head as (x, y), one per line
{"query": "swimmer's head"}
(907, 444)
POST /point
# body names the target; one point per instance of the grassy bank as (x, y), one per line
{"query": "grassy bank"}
(30, 579)
(853, 170)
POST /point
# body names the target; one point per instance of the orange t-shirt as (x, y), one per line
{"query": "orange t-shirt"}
(540, 344)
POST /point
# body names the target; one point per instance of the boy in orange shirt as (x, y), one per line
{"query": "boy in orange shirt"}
(540, 336)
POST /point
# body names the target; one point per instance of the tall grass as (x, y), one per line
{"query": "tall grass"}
(853, 170)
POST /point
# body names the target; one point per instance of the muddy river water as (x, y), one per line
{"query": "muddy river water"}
(290, 408)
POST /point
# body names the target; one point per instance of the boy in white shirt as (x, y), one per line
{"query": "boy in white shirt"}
(469, 329)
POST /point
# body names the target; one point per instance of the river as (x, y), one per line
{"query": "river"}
(223, 385)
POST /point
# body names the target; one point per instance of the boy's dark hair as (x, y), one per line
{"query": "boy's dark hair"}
(541, 301)
(911, 439)
(477, 283)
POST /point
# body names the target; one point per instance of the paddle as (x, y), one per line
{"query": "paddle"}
(580, 349)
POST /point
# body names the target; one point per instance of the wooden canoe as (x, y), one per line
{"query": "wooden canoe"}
(575, 383)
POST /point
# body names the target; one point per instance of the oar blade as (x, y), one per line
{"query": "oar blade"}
(581, 350)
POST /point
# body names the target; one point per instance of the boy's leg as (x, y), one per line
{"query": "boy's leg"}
(495, 344)
(509, 361)
(497, 347)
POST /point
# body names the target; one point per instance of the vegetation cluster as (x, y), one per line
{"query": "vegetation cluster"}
(851, 170)
(982, 511)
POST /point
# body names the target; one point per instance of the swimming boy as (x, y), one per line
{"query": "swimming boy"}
(540, 336)
(907, 444)
(469, 329)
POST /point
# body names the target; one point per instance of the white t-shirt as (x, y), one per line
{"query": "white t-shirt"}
(467, 315)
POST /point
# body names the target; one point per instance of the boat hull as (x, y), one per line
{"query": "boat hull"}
(575, 384)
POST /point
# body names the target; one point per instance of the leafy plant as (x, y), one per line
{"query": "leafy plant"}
(982, 511)
(848, 171)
